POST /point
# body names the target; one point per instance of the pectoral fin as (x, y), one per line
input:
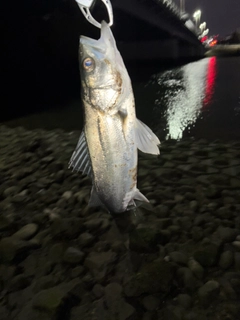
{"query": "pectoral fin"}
(80, 160)
(94, 199)
(146, 140)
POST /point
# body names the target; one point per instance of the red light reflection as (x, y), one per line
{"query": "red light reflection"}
(210, 81)
(204, 39)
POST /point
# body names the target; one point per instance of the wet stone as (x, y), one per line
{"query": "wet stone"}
(197, 233)
(199, 220)
(26, 232)
(238, 238)
(67, 195)
(186, 223)
(100, 263)
(175, 230)
(236, 245)
(93, 224)
(148, 315)
(208, 292)
(224, 213)
(163, 223)
(226, 260)
(235, 183)
(98, 291)
(11, 191)
(73, 256)
(82, 312)
(28, 312)
(150, 303)
(102, 246)
(117, 306)
(208, 255)
(18, 198)
(144, 240)
(6, 273)
(171, 312)
(44, 282)
(161, 211)
(68, 227)
(237, 260)
(59, 177)
(155, 277)
(77, 271)
(89, 281)
(11, 247)
(47, 160)
(227, 234)
(19, 282)
(48, 300)
(196, 268)
(86, 239)
(113, 293)
(184, 300)
(193, 205)
(178, 257)
(5, 222)
(118, 247)
(4, 313)
(186, 279)
(228, 289)
(56, 252)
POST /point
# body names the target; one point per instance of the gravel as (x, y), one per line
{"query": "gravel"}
(177, 257)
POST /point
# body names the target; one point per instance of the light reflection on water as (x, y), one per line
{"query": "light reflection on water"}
(184, 91)
(198, 100)
(210, 81)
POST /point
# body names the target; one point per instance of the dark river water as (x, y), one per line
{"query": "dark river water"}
(200, 99)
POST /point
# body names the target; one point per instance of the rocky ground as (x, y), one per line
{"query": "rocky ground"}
(177, 258)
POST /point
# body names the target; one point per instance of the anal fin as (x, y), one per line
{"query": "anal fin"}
(94, 199)
(139, 196)
(128, 201)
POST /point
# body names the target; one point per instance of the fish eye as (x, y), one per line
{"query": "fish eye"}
(88, 64)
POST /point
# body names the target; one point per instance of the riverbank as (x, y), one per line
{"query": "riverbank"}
(224, 50)
(177, 258)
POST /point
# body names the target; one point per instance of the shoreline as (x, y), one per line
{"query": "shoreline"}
(222, 50)
(176, 258)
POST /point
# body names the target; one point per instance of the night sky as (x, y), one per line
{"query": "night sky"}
(222, 16)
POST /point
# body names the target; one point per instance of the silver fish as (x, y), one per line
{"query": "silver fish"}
(107, 147)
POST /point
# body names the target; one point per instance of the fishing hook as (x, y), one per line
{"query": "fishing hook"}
(85, 6)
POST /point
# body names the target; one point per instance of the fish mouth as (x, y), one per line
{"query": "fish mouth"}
(106, 38)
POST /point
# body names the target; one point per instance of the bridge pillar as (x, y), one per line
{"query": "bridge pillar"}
(187, 50)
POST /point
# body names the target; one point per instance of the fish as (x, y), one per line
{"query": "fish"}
(107, 150)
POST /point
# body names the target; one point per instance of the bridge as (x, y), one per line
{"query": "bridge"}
(153, 29)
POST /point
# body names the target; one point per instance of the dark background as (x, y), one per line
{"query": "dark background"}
(40, 48)
(40, 54)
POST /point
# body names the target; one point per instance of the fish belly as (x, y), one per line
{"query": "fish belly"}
(113, 156)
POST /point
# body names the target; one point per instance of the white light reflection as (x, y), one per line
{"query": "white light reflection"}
(184, 92)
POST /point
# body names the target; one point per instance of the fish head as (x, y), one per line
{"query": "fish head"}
(102, 70)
